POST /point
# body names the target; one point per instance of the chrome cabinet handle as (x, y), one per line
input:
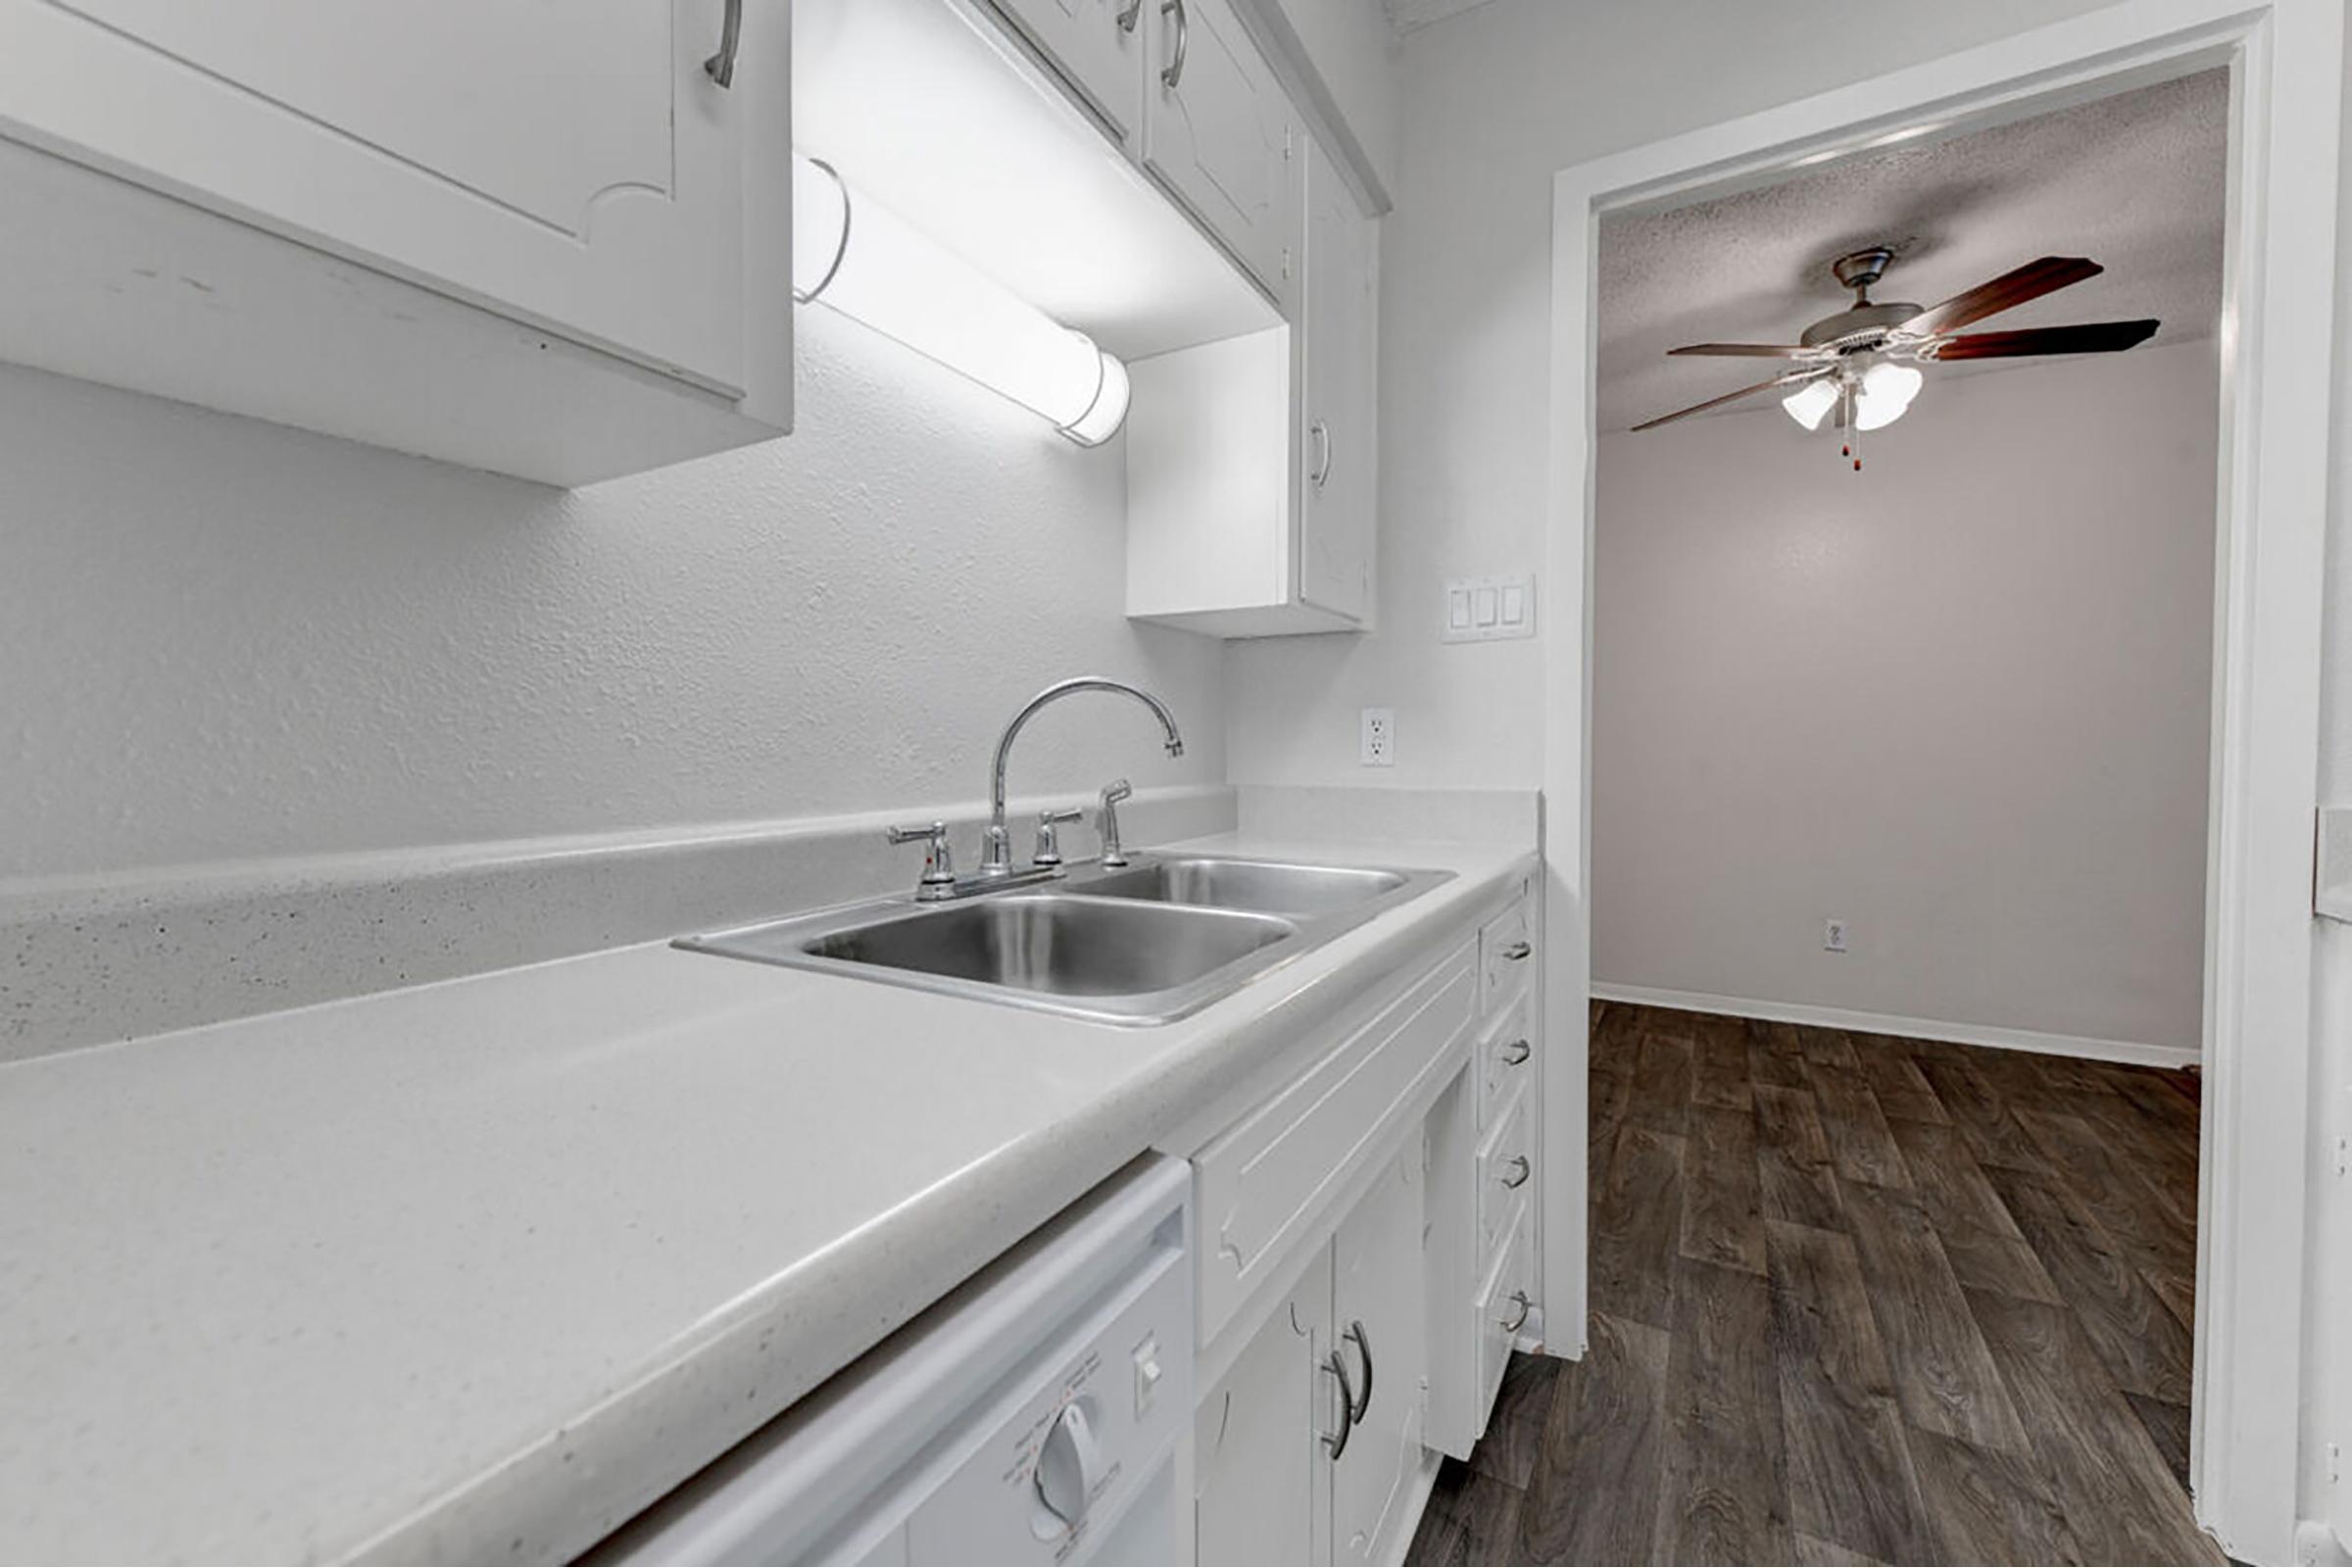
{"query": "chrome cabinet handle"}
(1517, 951)
(1514, 1325)
(1337, 1443)
(1127, 16)
(1173, 73)
(1526, 1169)
(1517, 1052)
(1322, 434)
(1364, 1346)
(720, 67)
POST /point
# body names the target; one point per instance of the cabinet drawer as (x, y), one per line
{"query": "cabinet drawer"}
(1263, 1181)
(1504, 1307)
(1506, 1178)
(1507, 1055)
(1506, 956)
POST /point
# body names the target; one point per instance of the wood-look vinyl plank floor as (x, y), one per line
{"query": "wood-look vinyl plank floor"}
(1857, 1300)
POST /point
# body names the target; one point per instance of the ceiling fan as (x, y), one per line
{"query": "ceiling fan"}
(1860, 363)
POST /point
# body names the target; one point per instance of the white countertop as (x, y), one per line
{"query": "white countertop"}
(476, 1270)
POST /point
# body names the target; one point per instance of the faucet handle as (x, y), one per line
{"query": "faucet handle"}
(1118, 790)
(1049, 842)
(939, 858)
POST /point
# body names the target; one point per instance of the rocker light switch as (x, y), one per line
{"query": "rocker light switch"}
(1480, 609)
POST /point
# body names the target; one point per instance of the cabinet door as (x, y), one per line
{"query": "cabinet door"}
(1258, 1435)
(1338, 435)
(1097, 45)
(1218, 131)
(1378, 1293)
(568, 166)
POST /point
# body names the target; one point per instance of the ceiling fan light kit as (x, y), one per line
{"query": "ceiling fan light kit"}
(1862, 363)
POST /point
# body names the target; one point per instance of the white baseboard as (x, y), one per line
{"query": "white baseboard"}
(2133, 1052)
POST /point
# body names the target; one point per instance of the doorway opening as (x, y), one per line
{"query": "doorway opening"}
(2282, 89)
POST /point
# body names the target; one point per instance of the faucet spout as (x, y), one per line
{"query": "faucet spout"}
(998, 859)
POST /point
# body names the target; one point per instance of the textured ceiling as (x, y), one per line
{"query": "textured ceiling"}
(2135, 182)
(1404, 16)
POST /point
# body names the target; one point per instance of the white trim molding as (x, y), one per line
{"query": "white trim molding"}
(2134, 1053)
(2285, 63)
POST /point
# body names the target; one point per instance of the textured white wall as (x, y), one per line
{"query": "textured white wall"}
(1496, 100)
(1970, 722)
(226, 639)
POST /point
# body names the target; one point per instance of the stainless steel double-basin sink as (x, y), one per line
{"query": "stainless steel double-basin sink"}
(1144, 944)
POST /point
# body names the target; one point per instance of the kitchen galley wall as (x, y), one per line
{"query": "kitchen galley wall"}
(228, 640)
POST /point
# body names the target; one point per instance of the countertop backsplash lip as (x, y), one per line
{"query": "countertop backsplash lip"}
(1406, 813)
(89, 960)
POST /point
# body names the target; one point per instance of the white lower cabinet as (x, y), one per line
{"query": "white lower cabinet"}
(1377, 1292)
(1261, 1442)
(1366, 1266)
(1307, 1449)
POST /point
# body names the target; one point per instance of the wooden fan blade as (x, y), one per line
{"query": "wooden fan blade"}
(2005, 292)
(1753, 351)
(1811, 372)
(2085, 337)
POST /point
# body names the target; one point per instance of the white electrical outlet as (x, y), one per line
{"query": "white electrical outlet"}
(1833, 936)
(1379, 748)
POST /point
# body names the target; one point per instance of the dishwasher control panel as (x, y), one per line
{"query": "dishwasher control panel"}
(1062, 1458)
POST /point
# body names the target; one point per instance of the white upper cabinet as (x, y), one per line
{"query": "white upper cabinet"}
(1219, 132)
(570, 169)
(1339, 364)
(1252, 463)
(1097, 45)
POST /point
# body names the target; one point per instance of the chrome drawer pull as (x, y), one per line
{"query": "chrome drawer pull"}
(1514, 1325)
(1173, 73)
(720, 67)
(1364, 1346)
(1517, 951)
(1337, 1443)
(1517, 1052)
(1525, 1171)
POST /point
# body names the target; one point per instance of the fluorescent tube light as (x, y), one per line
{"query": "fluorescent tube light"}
(853, 254)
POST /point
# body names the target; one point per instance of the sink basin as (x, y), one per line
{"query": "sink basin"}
(1142, 945)
(1062, 946)
(1266, 887)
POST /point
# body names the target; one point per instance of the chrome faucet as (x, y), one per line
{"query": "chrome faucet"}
(998, 861)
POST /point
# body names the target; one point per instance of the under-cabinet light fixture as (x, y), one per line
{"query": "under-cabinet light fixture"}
(853, 254)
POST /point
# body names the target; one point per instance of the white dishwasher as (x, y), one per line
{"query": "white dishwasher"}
(1034, 1415)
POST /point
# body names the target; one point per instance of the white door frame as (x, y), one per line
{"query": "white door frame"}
(2286, 60)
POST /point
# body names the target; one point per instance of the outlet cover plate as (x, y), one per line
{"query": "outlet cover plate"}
(1485, 610)
(1378, 747)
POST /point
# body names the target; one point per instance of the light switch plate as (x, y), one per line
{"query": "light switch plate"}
(1485, 610)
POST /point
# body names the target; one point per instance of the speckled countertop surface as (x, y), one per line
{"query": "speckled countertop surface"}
(473, 1271)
